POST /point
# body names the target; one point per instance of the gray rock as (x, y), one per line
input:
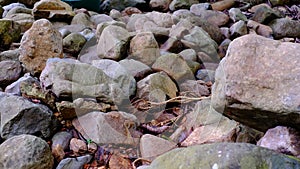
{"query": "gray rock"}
(100, 18)
(181, 4)
(222, 49)
(224, 155)
(101, 26)
(153, 146)
(247, 88)
(194, 88)
(195, 8)
(82, 19)
(115, 14)
(69, 78)
(161, 19)
(9, 6)
(88, 52)
(23, 19)
(281, 139)
(136, 68)
(10, 71)
(160, 5)
(144, 48)
(260, 29)
(40, 42)
(175, 66)
(189, 54)
(119, 73)
(18, 9)
(236, 14)
(74, 163)
(10, 32)
(73, 43)
(14, 88)
(25, 151)
(119, 5)
(25, 118)
(107, 128)
(200, 41)
(285, 27)
(61, 138)
(238, 29)
(206, 75)
(113, 43)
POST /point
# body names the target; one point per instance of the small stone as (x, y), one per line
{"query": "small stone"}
(10, 55)
(137, 69)
(206, 75)
(73, 43)
(265, 14)
(160, 5)
(181, 4)
(260, 29)
(216, 18)
(222, 49)
(189, 54)
(92, 147)
(61, 138)
(10, 32)
(78, 146)
(194, 88)
(58, 152)
(285, 27)
(237, 15)
(10, 71)
(117, 161)
(282, 139)
(238, 29)
(75, 163)
(82, 19)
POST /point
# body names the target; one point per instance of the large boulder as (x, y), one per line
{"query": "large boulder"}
(25, 151)
(224, 155)
(40, 42)
(257, 83)
(20, 116)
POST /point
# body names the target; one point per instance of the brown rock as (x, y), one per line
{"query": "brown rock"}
(160, 5)
(282, 139)
(52, 9)
(144, 48)
(118, 162)
(260, 29)
(38, 44)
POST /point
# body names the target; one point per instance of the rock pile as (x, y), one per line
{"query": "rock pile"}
(127, 84)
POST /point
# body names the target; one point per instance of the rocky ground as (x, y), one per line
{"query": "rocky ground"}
(150, 84)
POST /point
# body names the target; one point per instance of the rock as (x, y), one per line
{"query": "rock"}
(279, 2)
(206, 75)
(236, 14)
(260, 29)
(160, 5)
(225, 32)
(238, 29)
(88, 52)
(214, 17)
(79, 107)
(107, 128)
(246, 134)
(144, 48)
(193, 88)
(120, 5)
(161, 19)
(115, 14)
(58, 152)
(29, 3)
(200, 41)
(285, 27)
(10, 71)
(38, 44)
(247, 79)
(282, 139)
(10, 32)
(87, 33)
(222, 5)
(69, 78)
(222, 49)
(136, 68)
(117, 161)
(9, 6)
(223, 155)
(24, 20)
(25, 151)
(113, 43)
(61, 138)
(10, 55)
(153, 84)
(25, 118)
(195, 8)
(264, 15)
(119, 73)
(101, 26)
(188, 54)
(74, 163)
(181, 29)
(82, 19)
(153, 146)
(31, 89)
(181, 4)
(193, 65)
(52, 9)
(175, 66)
(78, 146)
(14, 88)
(100, 18)
(73, 43)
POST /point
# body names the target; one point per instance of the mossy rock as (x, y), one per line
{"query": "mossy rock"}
(10, 32)
(224, 156)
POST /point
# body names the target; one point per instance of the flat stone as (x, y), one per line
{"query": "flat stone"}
(75, 163)
(10, 71)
